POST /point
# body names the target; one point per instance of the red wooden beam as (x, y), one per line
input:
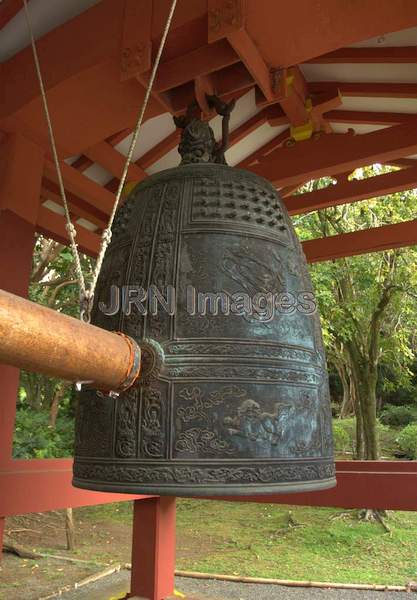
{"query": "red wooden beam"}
(202, 61)
(334, 153)
(136, 46)
(9, 9)
(235, 77)
(49, 482)
(153, 548)
(383, 54)
(82, 163)
(375, 485)
(369, 117)
(112, 160)
(77, 206)
(347, 192)
(383, 90)
(250, 56)
(398, 235)
(81, 186)
(53, 225)
(295, 33)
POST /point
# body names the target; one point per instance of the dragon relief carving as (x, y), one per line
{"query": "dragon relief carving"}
(289, 431)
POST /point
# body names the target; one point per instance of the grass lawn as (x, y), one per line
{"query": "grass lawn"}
(220, 537)
(254, 539)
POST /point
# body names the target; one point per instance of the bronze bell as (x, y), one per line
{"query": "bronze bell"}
(233, 398)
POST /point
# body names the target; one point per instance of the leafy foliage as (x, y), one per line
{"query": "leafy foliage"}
(36, 438)
(398, 416)
(344, 432)
(407, 440)
(44, 420)
(367, 304)
(342, 440)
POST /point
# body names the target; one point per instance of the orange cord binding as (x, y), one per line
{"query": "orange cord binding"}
(134, 364)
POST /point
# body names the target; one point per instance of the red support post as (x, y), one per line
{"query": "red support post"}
(20, 184)
(153, 548)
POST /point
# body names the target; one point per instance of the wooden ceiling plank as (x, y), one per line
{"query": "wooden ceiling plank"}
(346, 192)
(264, 150)
(335, 153)
(368, 55)
(369, 117)
(398, 235)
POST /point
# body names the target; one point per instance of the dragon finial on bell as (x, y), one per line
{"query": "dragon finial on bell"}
(198, 144)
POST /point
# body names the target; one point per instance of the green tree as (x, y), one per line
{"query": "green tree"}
(54, 284)
(367, 304)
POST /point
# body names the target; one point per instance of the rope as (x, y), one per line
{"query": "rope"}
(107, 231)
(87, 295)
(69, 226)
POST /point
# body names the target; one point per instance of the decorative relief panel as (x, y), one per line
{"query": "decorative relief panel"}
(154, 421)
(213, 420)
(94, 424)
(127, 424)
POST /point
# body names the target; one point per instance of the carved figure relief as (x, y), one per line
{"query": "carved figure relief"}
(126, 436)
(153, 424)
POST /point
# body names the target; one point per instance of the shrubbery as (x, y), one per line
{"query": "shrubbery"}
(344, 435)
(35, 438)
(344, 432)
(398, 416)
(407, 441)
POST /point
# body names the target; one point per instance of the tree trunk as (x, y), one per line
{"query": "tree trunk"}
(69, 529)
(56, 399)
(347, 402)
(369, 421)
(364, 381)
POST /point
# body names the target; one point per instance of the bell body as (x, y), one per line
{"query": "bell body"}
(232, 403)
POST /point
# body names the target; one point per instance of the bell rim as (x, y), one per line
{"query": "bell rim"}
(196, 491)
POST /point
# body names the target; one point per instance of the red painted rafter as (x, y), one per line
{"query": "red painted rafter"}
(335, 153)
(398, 235)
(401, 54)
(83, 162)
(77, 206)
(81, 186)
(8, 10)
(53, 225)
(203, 60)
(112, 160)
(384, 90)
(346, 192)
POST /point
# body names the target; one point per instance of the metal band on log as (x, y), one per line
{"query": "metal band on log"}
(39, 339)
